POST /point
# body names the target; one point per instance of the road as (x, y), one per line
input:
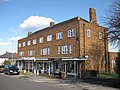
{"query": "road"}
(10, 82)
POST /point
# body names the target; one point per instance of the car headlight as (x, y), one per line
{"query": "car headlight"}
(11, 70)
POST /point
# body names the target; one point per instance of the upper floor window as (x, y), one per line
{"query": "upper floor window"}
(24, 44)
(59, 51)
(100, 35)
(41, 40)
(65, 49)
(88, 33)
(31, 52)
(71, 33)
(70, 49)
(34, 41)
(46, 51)
(59, 35)
(28, 43)
(21, 53)
(19, 45)
(49, 38)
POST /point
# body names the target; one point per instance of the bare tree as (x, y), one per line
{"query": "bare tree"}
(112, 20)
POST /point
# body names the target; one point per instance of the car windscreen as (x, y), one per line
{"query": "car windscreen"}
(13, 67)
(1, 66)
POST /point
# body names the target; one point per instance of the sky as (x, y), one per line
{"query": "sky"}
(18, 17)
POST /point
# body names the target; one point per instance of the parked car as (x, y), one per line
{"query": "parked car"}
(11, 69)
(1, 68)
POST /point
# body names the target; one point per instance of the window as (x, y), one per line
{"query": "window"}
(41, 51)
(28, 43)
(46, 51)
(100, 35)
(49, 38)
(31, 52)
(71, 33)
(21, 53)
(24, 44)
(19, 45)
(65, 49)
(59, 51)
(34, 41)
(41, 40)
(59, 35)
(70, 49)
(88, 33)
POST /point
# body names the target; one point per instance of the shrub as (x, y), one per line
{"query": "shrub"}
(117, 67)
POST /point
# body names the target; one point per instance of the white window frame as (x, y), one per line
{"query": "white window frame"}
(49, 38)
(34, 41)
(45, 51)
(65, 49)
(24, 44)
(59, 50)
(72, 33)
(48, 51)
(41, 40)
(59, 35)
(70, 49)
(19, 45)
(88, 33)
(41, 51)
(21, 53)
(100, 35)
(28, 43)
(31, 53)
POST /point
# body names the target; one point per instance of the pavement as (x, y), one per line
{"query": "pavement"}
(82, 84)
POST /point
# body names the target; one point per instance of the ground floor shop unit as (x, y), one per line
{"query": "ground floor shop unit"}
(52, 66)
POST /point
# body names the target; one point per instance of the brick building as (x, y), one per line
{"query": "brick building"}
(72, 46)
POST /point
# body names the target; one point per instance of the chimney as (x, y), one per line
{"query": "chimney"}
(52, 24)
(92, 13)
(29, 33)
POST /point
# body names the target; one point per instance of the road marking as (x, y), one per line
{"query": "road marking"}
(62, 84)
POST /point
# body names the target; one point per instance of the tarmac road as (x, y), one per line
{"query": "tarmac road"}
(9, 82)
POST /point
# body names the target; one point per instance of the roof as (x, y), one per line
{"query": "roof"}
(9, 55)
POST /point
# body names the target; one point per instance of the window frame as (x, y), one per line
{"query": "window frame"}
(59, 35)
(34, 41)
(88, 33)
(49, 38)
(71, 33)
(41, 39)
(28, 43)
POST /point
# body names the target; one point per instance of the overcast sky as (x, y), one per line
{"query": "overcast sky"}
(17, 17)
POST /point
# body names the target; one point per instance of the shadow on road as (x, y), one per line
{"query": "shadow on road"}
(115, 83)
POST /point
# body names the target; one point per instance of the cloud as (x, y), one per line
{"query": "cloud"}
(5, 43)
(33, 23)
(14, 39)
(5, 0)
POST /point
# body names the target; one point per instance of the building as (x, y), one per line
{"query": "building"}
(112, 57)
(72, 46)
(8, 56)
